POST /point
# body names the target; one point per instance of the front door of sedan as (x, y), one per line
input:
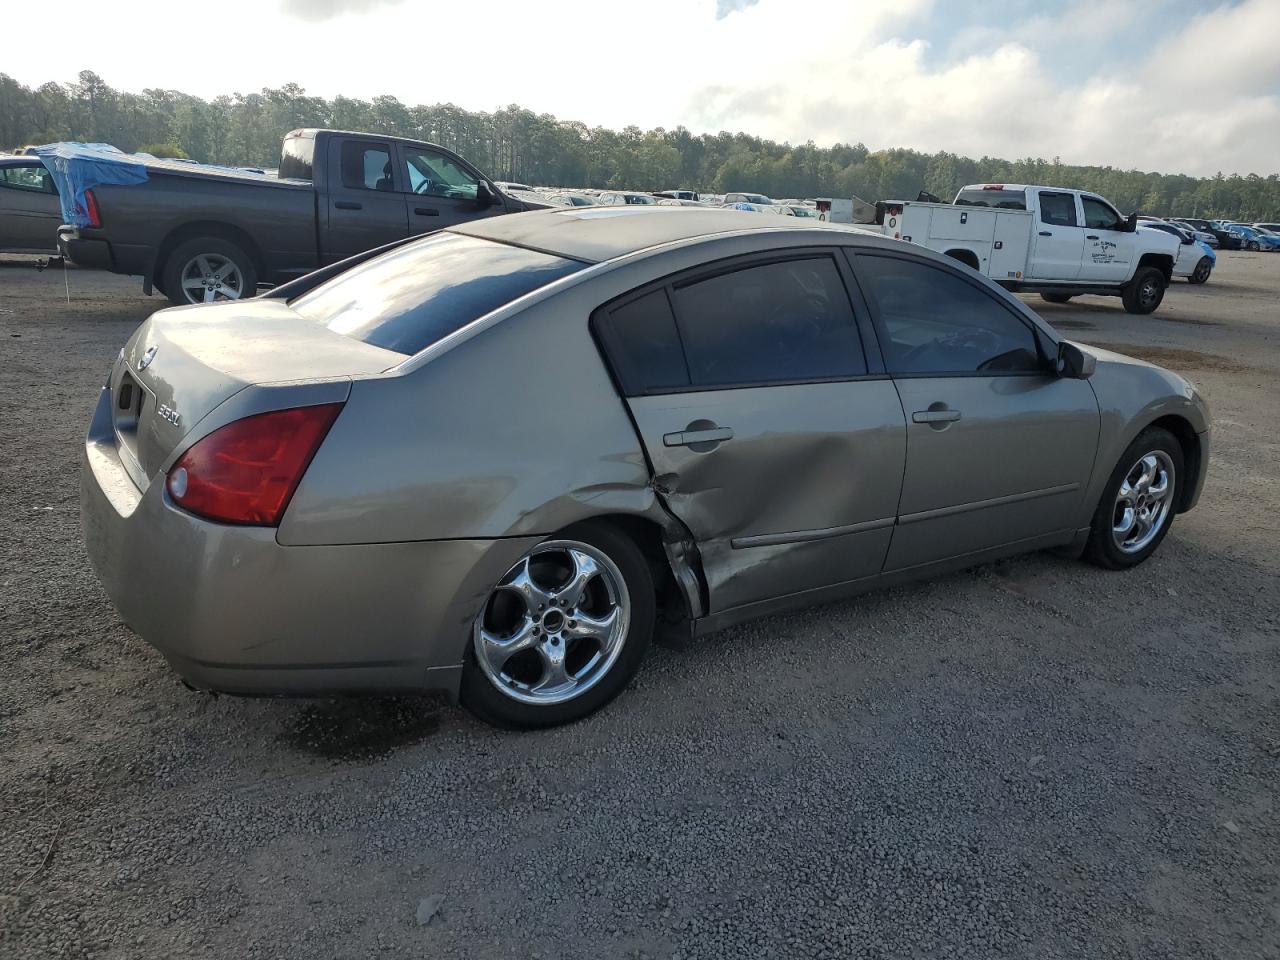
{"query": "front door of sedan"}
(29, 209)
(441, 191)
(769, 434)
(999, 448)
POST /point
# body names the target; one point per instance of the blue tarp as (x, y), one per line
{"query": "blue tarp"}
(77, 167)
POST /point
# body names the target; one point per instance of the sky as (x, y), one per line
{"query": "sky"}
(1176, 86)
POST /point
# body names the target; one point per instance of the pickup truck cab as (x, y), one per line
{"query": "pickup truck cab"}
(1057, 242)
(201, 233)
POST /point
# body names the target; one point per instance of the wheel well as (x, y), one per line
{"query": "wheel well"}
(1189, 441)
(649, 537)
(1161, 261)
(206, 228)
(967, 257)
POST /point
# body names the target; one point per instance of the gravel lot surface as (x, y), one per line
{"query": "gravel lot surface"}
(1033, 759)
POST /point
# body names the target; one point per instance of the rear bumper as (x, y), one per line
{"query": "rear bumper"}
(233, 610)
(96, 253)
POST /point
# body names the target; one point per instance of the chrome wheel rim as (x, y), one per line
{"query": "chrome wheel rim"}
(554, 625)
(1143, 502)
(208, 277)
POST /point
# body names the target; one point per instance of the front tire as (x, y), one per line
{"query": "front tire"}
(1201, 272)
(1057, 297)
(1144, 292)
(1137, 506)
(1254, 246)
(208, 270)
(563, 632)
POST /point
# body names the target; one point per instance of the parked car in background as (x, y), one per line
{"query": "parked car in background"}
(799, 210)
(507, 186)
(572, 199)
(489, 460)
(202, 233)
(1257, 239)
(1053, 241)
(1204, 236)
(1195, 260)
(1226, 239)
(618, 198)
(1269, 227)
(678, 194)
(29, 208)
(757, 198)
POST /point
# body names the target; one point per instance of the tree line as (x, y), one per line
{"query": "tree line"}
(516, 144)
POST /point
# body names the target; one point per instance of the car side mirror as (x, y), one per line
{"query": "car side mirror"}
(1074, 363)
(1131, 224)
(484, 199)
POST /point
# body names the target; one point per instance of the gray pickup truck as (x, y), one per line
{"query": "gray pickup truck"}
(200, 233)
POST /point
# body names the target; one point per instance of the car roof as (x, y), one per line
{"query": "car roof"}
(597, 234)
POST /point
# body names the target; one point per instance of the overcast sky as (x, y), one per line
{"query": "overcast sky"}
(1187, 86)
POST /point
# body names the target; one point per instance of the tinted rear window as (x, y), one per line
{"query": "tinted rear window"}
(295, 158)
(1003, 199)
(409, 298)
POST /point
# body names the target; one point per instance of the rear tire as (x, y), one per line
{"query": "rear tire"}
(1201, 272)
(1057, 297)
(502, 688)
(208, 270)
(1145, 291)
(1105, 547)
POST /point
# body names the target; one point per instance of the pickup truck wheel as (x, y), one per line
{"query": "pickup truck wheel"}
(1145, 291)
(1057, 297)
(208, 270)
(1202, 271)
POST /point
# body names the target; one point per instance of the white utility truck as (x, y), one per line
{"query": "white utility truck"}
(1052, 241)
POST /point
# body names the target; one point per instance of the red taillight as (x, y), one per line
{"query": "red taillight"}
(91, 209)
(246, 472)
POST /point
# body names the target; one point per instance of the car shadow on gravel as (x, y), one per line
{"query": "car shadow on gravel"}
(353, 729)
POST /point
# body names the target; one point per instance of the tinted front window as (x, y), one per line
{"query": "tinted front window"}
(776, 322)
(1098, 215)
(1003, 199)
(410, 297)
(366, 166)
(1058, 209)
(433, 174)
(933, 321)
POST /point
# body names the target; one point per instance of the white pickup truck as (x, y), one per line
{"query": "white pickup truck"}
(1052, 241)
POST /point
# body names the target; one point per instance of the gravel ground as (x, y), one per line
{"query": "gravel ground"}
(1031, 759)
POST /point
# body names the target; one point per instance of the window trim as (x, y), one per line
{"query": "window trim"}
(1037, 334)
(608, 343)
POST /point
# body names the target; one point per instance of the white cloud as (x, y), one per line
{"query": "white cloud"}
(1084, 81)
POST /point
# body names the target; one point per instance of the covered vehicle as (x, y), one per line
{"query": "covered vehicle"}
(491, 460)
(29, 207)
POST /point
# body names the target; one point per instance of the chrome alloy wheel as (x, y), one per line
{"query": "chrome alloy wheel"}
(1143, 502)
(554, 625)
(210, 276)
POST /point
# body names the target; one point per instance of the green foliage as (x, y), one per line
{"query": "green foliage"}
(515, 144)
(164, 150)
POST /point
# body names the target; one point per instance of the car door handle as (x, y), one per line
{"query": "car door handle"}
(426, 211)
(687, 438)
(935, 416)
(1046, 233)
(1091, 236)
(348, 205)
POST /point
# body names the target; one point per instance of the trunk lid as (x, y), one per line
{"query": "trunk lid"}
(185, 361)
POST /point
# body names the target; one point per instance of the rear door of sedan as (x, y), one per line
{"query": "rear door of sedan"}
(770, 433)
(999, 448)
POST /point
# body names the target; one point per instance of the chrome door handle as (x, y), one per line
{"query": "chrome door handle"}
(935, 416)
(687, 438)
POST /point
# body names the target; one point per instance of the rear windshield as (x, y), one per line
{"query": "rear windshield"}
(1004, 199)
(409, 298)
(295, 157)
